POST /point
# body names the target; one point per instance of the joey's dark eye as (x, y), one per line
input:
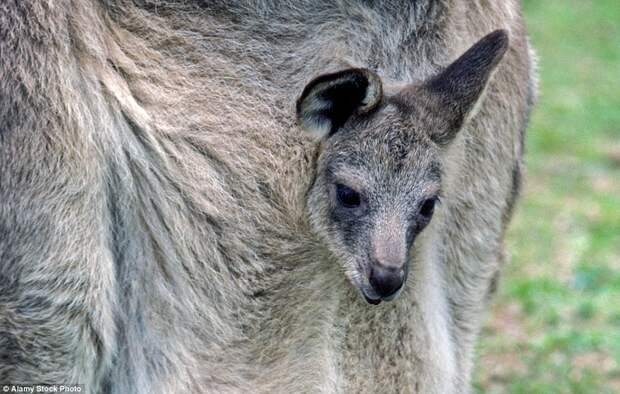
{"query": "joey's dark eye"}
(347, 197)
(427, 208)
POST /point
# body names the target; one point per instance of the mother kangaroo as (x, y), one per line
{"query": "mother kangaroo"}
(255, 196)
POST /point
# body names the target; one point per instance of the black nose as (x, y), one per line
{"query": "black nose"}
(386, 280)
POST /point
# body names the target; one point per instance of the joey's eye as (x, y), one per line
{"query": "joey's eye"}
(347, 197)
(427, 208)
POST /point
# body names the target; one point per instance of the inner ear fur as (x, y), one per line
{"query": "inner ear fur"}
(329, 100)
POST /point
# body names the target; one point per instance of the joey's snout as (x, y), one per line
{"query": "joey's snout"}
(387, 270)
(386, 281)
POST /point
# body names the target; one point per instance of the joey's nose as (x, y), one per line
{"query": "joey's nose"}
(386, 280)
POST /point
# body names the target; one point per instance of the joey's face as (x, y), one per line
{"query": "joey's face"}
(377, 185)
(378, 177)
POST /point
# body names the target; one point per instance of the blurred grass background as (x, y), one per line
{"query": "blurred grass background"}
(554, 326)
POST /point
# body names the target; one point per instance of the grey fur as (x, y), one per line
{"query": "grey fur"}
(161, 227)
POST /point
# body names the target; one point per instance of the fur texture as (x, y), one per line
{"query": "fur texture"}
(158, 231)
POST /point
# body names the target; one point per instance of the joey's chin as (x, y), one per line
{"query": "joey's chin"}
(372, 301)
(373, 298)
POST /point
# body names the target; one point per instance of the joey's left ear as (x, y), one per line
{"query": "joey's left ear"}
(451, 96)
(329, 100)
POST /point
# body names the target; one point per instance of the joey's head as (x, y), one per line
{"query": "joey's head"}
(379, 171)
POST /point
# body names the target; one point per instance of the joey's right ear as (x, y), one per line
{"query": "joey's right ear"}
(452, 95)
(329, 100)
(459, 87)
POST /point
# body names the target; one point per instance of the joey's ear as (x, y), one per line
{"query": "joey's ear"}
(329, 100)
(453, 94)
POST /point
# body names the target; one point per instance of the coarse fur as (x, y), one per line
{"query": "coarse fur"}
(162, 220)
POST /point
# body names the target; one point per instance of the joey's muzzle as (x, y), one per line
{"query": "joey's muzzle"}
(386, 283)
(386, 280)
(388, 256)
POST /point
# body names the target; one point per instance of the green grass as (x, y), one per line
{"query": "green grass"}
(554, 327)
